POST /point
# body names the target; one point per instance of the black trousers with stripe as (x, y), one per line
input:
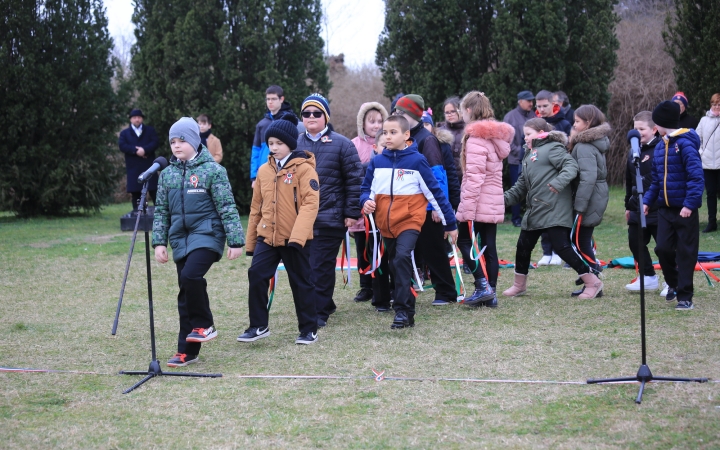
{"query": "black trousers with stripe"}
(193, 302)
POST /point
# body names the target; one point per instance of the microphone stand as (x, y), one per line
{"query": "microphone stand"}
(644, 375)
(154, 369)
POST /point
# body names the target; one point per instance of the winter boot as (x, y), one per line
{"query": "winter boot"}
(483, 292)
(711, 226)
(519, 286)
(593, 286)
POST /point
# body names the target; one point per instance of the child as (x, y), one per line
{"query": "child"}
(195, 210)
(648, 139)
(208, 139)
(284, 206)
(369, 123)
(589, 143)
(676, 188)
(399, 183)
(544, 182)
(485, 145)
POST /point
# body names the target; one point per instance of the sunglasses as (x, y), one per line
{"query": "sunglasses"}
(315, 114)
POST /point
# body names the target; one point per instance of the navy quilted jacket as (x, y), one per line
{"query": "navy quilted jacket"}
(677, 172)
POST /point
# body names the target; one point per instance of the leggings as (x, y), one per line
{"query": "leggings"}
(560, 238)
(488, 232)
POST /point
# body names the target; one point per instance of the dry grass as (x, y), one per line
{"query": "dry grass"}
(57, 305)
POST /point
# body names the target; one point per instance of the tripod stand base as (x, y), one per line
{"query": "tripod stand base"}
(155, 371)
(644, 376)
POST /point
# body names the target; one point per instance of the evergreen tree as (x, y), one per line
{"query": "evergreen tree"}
(218, 57)
(692, 41)
(58, 109)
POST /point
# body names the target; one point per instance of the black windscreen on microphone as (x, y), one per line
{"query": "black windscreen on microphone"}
(158, 165)
(633, 138)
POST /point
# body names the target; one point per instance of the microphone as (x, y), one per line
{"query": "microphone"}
(159, 164)
(633, 138)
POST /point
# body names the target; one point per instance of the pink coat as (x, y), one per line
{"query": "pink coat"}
(481, 192)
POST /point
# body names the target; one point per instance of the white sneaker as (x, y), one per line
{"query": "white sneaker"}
(545, 260)
(555, 260)
(651, 284)
(664, 291)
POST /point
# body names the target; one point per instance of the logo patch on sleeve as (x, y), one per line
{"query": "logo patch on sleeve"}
(314, 185)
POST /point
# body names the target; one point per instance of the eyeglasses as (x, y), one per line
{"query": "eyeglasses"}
(315, 114)
(450, 113)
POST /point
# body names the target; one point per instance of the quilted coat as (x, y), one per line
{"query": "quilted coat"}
(591, 189)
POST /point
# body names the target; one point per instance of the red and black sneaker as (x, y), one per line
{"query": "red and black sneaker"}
(202, 334)
(182, 360)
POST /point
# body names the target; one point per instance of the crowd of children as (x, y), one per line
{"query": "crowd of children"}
(409, 193)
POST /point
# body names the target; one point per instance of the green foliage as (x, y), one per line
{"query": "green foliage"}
(58, 108)
(500, 47)
(217, 57)
(691, 39)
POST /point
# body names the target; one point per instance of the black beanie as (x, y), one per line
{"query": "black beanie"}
(285, 129)
(667, 115)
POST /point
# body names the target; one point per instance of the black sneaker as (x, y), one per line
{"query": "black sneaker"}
(363, 295)
(383, 308)
(402, 320)
(252, 334)
(182, 360)
(684, 305)
(202, 334)
(307, 338)
(671, 295)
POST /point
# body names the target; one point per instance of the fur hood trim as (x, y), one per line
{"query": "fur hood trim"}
(444, 136)
(557, 136)
(592, 134)
(490, 129)
(364, 108)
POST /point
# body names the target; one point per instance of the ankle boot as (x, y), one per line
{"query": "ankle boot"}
(494, 302)
(519, 286)
(581, 290)
(711, 226)
(483, 292)
(593, 286)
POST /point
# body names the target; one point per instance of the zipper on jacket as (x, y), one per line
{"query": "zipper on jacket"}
(297, 212)
(392, 196)
(182, 202)
(667, 143)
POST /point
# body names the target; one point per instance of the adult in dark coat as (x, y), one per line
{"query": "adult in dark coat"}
(517, 118)
(138, 142)
(686, 120)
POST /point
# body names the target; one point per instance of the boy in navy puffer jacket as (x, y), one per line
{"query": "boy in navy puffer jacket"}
(677, 189)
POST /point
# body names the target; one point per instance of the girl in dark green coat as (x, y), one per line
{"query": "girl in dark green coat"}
(547, 171)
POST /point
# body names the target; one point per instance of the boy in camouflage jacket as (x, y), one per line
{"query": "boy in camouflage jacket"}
(195, 210)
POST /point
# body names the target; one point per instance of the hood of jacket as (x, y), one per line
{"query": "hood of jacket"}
(490, 130)
(297, 157)
(595, 136)
(412, 148)
(444, 136)
(552, 136)
(284, 108)
(364, 108)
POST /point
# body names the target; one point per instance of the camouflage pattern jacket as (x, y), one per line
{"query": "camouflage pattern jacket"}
(195, 207)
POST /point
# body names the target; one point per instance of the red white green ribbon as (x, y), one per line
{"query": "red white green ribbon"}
(459, 283)
(271, 289)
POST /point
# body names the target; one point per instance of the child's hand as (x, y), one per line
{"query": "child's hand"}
(645, 209)
(452, 235)
(161, 254)
(685, 212)
(369, 207)
(436, 217)
(627, 215)
(553, 190)
(233, 253)
(350, 222)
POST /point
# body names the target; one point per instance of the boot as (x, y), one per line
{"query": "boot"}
(483, 292)
(519, 286)
(492, 303)
(581, 290)
(711, 226)
(593, 286)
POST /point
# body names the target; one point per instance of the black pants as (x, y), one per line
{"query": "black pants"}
(677, 249)
(430, 249)
(488, 233)
(297, 265)
(546, 244)
(560, 240)
(362, 262)
(584, 244)
(323, 259)
(712, 186)
(401, 267)
(136, 198)
(636, 247)
(514, 171)
(193, 301)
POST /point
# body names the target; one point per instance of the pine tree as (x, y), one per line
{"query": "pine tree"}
(692, 41)
(217, 57)
(58, 108)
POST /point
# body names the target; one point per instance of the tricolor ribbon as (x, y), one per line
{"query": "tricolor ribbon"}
(459, 283)
(271, 289)
(415, 273)
(377, 247)
(347, 276)
(708, 275)
(379, 376)
(474, 250)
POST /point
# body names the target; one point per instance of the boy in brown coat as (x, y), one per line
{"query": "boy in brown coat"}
(282, 213)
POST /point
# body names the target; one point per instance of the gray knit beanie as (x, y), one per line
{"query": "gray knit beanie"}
(186, 129)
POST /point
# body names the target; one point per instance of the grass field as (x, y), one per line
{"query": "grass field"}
(59, 284)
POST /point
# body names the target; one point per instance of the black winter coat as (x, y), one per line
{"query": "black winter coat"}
(135, 165)
(646, 164)
(340, 174)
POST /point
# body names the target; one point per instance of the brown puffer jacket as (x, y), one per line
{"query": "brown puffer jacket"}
(284, 203)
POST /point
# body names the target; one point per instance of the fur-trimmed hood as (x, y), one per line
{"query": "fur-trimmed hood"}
(444, 136)
(364, 108)
(490, 129)
(553, 136)
(592, 134)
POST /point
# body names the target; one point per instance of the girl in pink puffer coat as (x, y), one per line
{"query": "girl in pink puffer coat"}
(486, 143)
